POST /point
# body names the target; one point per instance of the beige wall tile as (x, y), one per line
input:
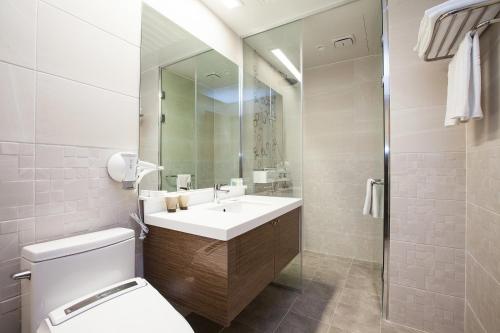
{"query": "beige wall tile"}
(343, 146)
(483, 295)
(427, 311)
(472, 324)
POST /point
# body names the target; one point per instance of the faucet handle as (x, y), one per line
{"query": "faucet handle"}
(217, 187)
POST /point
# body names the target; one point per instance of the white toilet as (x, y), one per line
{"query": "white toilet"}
(86, 284)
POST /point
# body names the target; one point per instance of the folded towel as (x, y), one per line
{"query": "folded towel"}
(429, 20)
(464, 83)
(183, 182)
(374, 199)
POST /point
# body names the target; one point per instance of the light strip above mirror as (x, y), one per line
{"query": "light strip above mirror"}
(288, 64)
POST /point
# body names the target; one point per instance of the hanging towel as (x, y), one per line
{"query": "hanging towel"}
(183, 182)
(368, 197)
(432, 14)
(377, 201)
(464, 83)
(476, 112)
(459, 81)
(374, 199)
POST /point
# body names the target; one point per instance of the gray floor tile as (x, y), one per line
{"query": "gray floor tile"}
(315, 308)
(237, 327)
(202, 325)
(388, 327)
(295, 323)
(365, 276)
(268, 309)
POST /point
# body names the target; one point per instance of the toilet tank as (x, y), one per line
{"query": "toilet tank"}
(68, 268)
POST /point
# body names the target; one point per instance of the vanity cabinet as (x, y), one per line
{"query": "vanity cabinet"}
(218, 279)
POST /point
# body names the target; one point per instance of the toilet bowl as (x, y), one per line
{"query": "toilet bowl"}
(86, 283)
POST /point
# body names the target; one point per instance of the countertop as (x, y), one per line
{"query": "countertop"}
(207, 220)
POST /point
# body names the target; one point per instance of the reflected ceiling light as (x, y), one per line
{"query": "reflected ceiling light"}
(231, 4)
(288, 64)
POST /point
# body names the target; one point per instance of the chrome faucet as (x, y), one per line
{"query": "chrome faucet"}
(217, 188)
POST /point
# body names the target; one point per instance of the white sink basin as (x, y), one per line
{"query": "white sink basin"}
(226, 220)
(239, 207)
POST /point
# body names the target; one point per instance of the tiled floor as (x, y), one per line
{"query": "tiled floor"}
(339, 295)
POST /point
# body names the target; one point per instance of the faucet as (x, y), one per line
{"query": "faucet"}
(217, 188)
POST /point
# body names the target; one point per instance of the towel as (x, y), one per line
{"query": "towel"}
(374, 199)
(429, 20)
(464, 83)
(183, 182)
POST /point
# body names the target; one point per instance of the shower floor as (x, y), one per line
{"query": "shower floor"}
(340, 295)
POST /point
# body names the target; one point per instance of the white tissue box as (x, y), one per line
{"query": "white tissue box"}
(264, 176)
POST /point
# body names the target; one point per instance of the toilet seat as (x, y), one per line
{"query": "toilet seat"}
(129, 306)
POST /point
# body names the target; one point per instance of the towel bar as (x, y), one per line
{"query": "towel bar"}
(444, 45)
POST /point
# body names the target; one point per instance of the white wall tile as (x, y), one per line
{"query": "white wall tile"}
(18, 27)
(72, 113)
(119, 17)
(84, 53)
(17, 103)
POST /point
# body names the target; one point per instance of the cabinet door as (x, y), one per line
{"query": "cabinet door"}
(251, 266)
(287, 243)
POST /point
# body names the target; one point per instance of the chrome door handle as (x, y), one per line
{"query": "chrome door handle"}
(22, 275)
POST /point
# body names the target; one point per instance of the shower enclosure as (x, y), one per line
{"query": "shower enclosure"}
(313, 111)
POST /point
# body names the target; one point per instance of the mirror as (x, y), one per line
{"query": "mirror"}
(190, 110)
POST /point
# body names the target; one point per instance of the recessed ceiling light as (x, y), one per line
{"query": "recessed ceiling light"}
(288, 64)
(231, 4)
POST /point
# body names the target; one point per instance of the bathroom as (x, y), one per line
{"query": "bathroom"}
(249, 166)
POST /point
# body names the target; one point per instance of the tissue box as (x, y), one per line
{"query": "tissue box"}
(264, 176)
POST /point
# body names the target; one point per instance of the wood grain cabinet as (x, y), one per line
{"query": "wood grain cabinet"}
(218, 279)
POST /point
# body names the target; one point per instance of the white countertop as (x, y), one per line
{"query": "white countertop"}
(208, 220)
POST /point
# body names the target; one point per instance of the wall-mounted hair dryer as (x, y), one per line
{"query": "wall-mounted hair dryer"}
(126, 168)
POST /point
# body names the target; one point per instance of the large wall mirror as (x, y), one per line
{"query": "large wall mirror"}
(190, 110)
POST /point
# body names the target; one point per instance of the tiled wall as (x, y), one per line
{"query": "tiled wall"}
(427, 253)
(343, 147)
(69, 87)
(483, 199)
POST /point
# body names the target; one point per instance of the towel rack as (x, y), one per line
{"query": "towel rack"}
(446, 38)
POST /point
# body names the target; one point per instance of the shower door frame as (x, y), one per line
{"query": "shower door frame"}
(386, 96)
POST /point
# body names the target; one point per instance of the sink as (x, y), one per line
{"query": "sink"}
(238, 207)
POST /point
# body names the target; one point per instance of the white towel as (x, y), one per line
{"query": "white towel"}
(464, 83)
(183, 181)
(368, 197)
(374, 199)
(429, 20)
(476, 111)
(377, 201)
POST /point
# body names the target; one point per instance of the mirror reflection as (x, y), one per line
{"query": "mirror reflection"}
(190, 120)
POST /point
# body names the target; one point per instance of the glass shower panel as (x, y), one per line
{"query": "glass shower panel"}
(271, 120)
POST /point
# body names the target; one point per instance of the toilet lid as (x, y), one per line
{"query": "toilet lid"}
(129, 306)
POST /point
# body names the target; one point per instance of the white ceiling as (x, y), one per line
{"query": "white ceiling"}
(164, 42)
(362, 19)
(259, 15)
(359, 18)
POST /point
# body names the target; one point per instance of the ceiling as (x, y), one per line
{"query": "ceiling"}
(360, 19)
(259, 15)
(164, 42)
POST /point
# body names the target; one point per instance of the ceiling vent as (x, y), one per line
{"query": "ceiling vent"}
(344, 41)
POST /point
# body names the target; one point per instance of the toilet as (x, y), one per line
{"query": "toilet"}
(86, 283)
